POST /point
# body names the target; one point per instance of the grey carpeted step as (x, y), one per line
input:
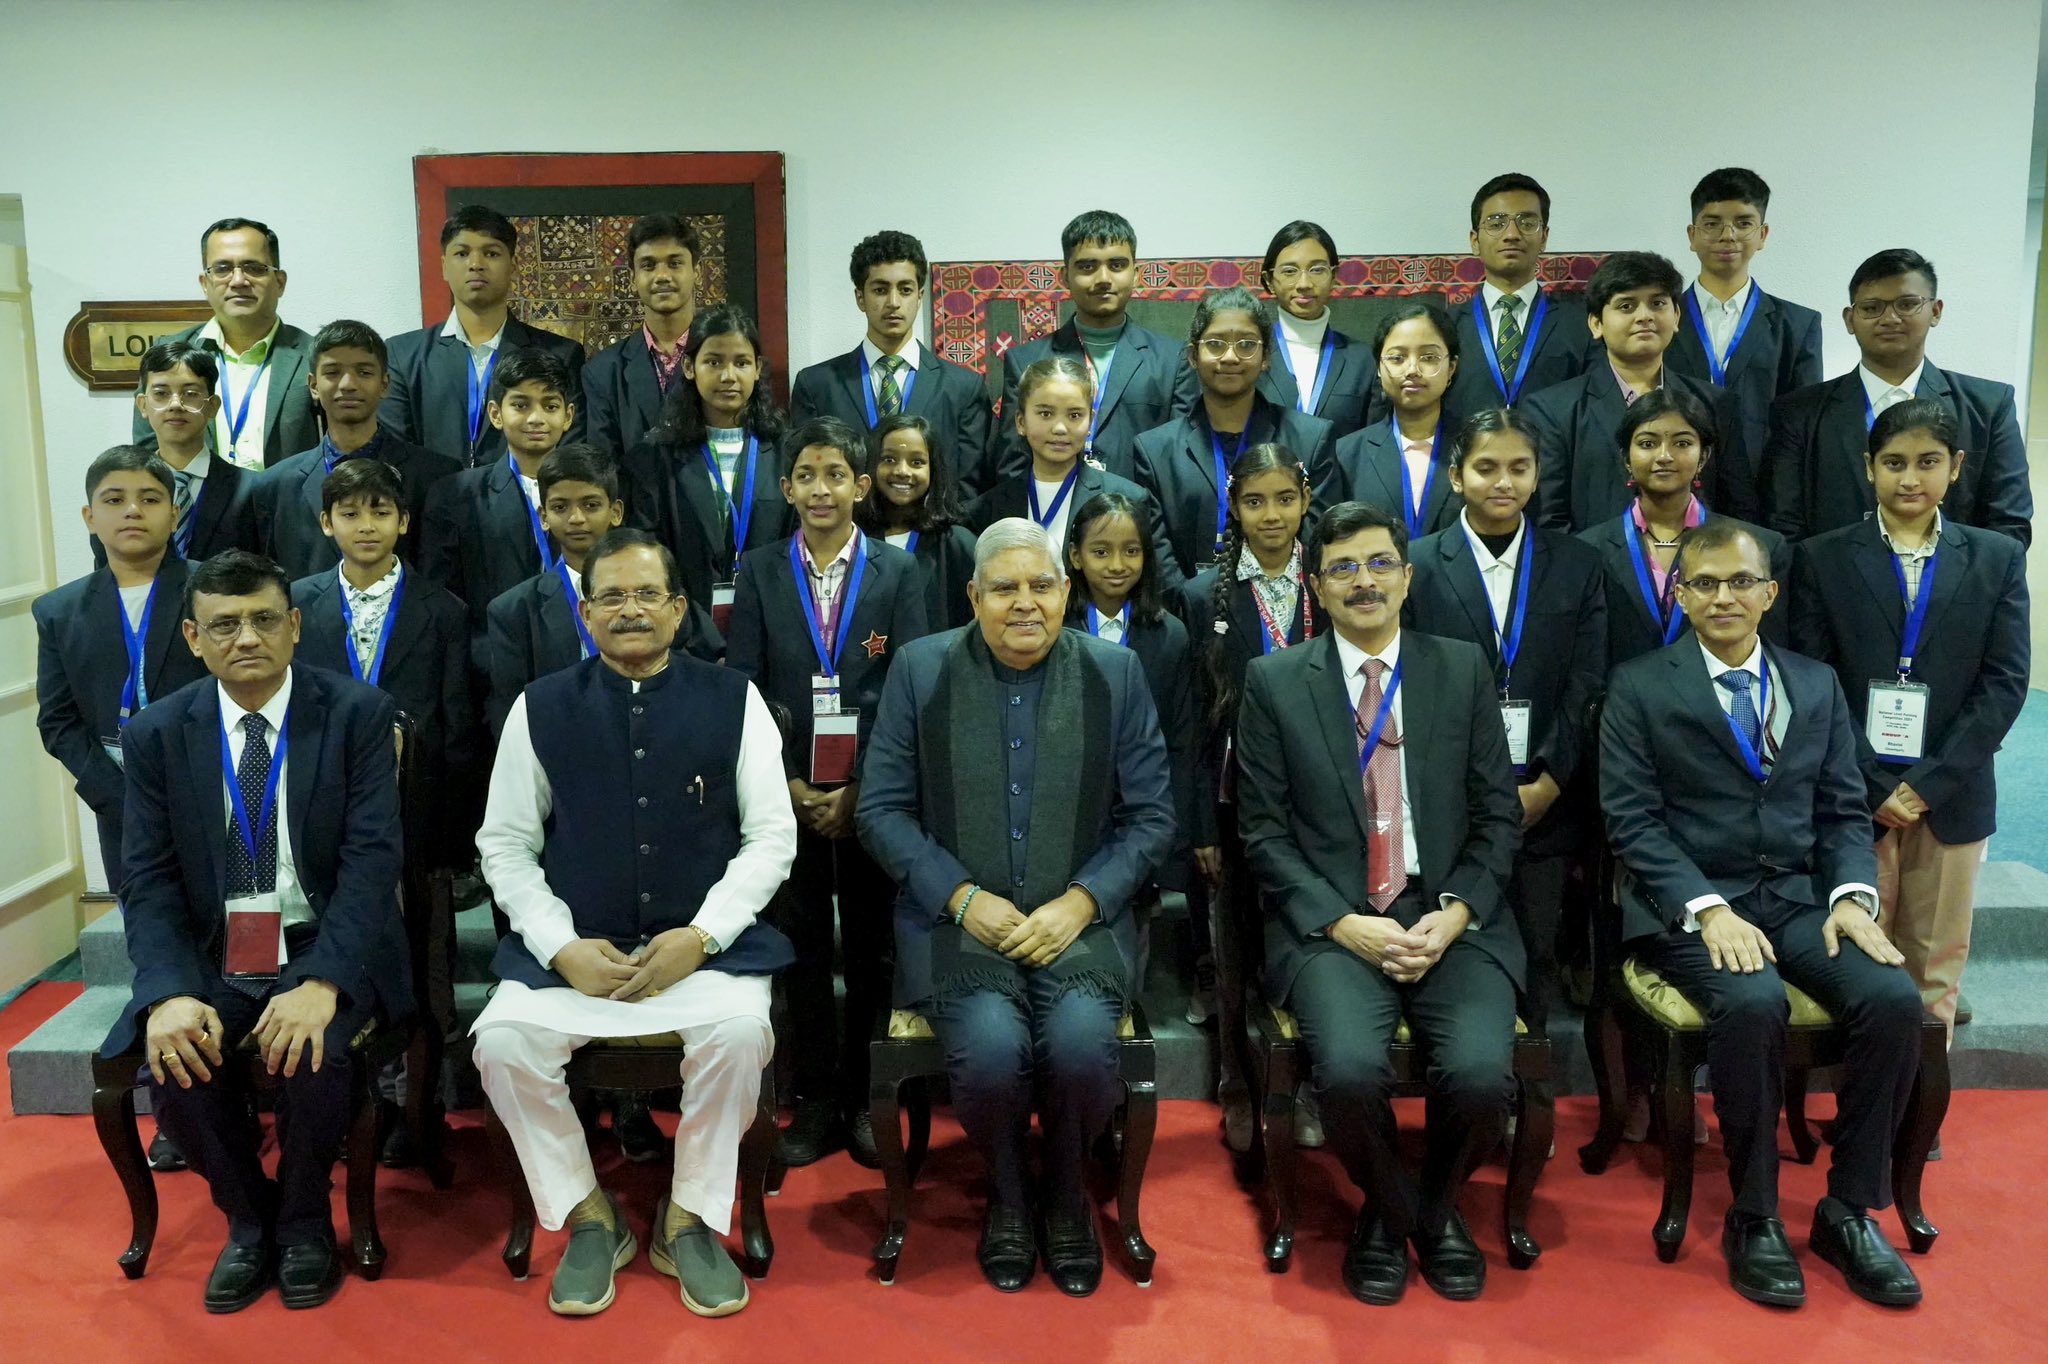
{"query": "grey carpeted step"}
(50, 1071)
(2010, 920)
(2006, 1047)
(103, 951)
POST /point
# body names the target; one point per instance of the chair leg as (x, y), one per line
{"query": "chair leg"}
(1276, 1139)
(424, 1119)
(1674, 1096)
(1141, 1120)
(1604, 1049)
(1805, 1144)
(518, 1252)
(362, 1176)
(113, 1116)
(757, 1156)
(1536, 1115)
(920, 1126)
(884, 1115)
(1925, 1112)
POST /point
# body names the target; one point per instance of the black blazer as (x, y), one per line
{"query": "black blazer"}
(1176, 464)
(1564, 349)
(531, 632)
(622, 396)
(1012, 497)
(426, 673)
(1367, 468)
(1348, 394)
(1561, 666)
(668, 492)
(479, 542)
(82, 666)
(1301, 800)
(1633, 631)
(1814, 472)
(945, 558)
(1584, 480)
(1779, 354)
(1685, 817)
(428, 403)
(1162, 649)
(1973, 656)
(952, 399)
(223, 518)
(341, 814)
(291, 419)
(1150, 383)
(772, 646)
(286, 502)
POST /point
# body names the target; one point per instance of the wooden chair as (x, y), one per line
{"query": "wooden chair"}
(116, 1078)
(1278, 1056)
(644, 1065)
(906, 1054)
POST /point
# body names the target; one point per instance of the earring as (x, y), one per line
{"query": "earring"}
(1631, 482)
(1697, 485)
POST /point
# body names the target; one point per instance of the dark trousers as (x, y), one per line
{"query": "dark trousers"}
(1063, 1045)
(1462, 1013)
(210, 1125)
(829, 1061)
(1536, 890)
(110, 850)
(1876, 1006)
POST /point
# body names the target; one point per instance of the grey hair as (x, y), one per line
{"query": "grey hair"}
(1013, 532)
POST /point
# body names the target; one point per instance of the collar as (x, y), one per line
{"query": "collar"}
(1925, 551)
(1629, 395)
(844, 556)
(1510, 558)
(1307, 335)
(1694, 513)
(874, 353)
(381, 588)
(1102, 336)
(201, 465)
(453, 327)
(1753, 665)
(255, 355)
(1527, 293)
(1351, 658)
(1249, 570)
(273, 710)
(674, 353)
(1875, 388)
(1733, 307)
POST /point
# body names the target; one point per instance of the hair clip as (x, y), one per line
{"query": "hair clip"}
(1222, 627)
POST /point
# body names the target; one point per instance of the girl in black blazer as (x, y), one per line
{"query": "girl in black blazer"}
(913, 502)
(1416, 348)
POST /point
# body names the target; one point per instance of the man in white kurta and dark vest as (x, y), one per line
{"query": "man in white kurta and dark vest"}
(638, 823)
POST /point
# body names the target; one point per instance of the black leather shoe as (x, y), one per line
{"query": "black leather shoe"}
(396, 1150)
(640, 1140)
(1376, 1265)
(1851, 1241)
(860, 1140)
(1006, 1254)
(164, 1156)
(239, 1277)
(1073, 1254)
(308, 1274)
(1760, 1263)
(811, 1134)
(1451, 1263)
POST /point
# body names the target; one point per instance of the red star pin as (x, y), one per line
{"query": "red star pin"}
(874, 644)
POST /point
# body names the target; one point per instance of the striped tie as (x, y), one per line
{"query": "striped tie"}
(889, 401)
(1507, 337)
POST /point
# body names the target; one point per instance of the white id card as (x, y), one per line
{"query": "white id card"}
(1896, 720)
(824, 694)
(835, 742)
(255, 937)
(112, 748)
(1514, 715)
(721, 606)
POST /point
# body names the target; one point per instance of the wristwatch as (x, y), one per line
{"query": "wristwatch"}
(710, 943)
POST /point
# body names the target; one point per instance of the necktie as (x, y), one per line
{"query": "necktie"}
(1741, 708)
(1507, 337)
(253, 775)
(1383, 784)
(181, 496)
(889, 401)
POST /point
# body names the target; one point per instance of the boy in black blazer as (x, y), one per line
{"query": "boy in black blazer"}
(624, 384)
(1961, 634)
(1321, 372)
(891, 371)
(211, 497)
(816, 620)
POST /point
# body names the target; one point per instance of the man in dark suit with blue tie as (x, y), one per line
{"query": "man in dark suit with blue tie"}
(1377, 805)
(263, 857)
(1813, 463)
(624, 384)
(1733, 800)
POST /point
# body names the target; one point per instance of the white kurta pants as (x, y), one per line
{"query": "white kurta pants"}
(524, 1039)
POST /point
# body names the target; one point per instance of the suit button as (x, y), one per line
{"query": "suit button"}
(1016, 834)
(642, 802)
(639, 710)
(1016, 789)
(1016, 743)
(639, 752)
(1019, 883)
(645, 897)
(644, 850)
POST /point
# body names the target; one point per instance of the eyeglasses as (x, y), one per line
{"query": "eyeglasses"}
(649, 598)
(1906, 305)
(1428, 362)
(1742, 584)
(1379, 565)
(1215, 347)
(163, 399)
(252, 270)
(1316, 273)
(1742, 229)
(228, 629)
(1495, 224)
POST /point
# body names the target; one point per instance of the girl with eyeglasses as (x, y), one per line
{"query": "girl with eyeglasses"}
(1316, 369)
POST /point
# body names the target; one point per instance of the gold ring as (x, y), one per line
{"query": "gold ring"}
(170, 1056)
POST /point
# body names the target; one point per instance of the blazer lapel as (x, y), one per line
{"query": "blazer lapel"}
(202, 763)
(1330, 697)
(1131, 351)
(165, 625)
(559, 645)
(1461, 571)
(1948, 575)
(406, 631)
(1874, 565)
(643, 390)
(1696, 690)
(216, 494)
(303, 724)
(847, 372)
(1754, 338)
(1380, 470)
(287, 371)
(924, 392)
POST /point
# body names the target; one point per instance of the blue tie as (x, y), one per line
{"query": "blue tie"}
(1742, 709)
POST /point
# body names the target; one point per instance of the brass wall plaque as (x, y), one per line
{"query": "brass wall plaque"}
(104, 342)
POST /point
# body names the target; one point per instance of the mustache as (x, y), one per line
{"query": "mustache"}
(1365, 596)
(632, 627)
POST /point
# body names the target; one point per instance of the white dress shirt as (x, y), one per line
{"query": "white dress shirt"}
(874, 353)
(248, 373)
(1046, 493)
(367, 608)
(133, 599)
(480, 352)
(1882, 393)
(1111, 629)
(1304, 344)
(1912, 562)
(1721, 318)
(1352, 659)
(291, 896)
(1527, 293)
(1498, 575)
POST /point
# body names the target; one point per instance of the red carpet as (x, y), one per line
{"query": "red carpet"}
(1597, 1294)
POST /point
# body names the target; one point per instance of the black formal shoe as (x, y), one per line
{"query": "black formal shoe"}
(1376, 1265)
(239, 1276)
(1850, 1240)
(396, 1152)
(811, 1135)
(860, 1140)
(1451, 1263)
(1006, 1254)
(309, 1273)
(633, 1124)
(1073, 1254)
(1760, 1263)
(164, 1156)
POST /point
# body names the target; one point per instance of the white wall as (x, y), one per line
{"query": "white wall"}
(1886, 123)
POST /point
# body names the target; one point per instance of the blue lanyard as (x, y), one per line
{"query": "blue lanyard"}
(828, 660)
(1379, 721)
(236, 803)
(479, 389)
(1123, 617)
(1223, 479)
(1307, 402)
(134, 689)
(348, 627)
(575, 607)
(1101, 383)
(1916, 611)
(540, 536)
(1667, 616)
(1511, 638)
(1411, 513)
(910, 545)
(1717, 365)
(1750, 757)
(867, 388)
(1059, 499)
(1484, 325)
(238, 417)
(743, 510)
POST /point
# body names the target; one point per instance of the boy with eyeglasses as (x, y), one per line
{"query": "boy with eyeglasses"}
(1813, 460)
(211, 498)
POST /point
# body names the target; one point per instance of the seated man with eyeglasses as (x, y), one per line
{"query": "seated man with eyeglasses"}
(638, 823)
(1813, 469)
(1729, 778)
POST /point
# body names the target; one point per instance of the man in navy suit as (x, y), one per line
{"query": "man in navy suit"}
(263, 856)
(1813, 464)
(624, 384)
(1141, 379)
(441, 376)
(1728, 776)
(1321, 372)
(891, 371)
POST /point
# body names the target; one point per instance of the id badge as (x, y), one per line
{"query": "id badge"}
(255, 943)
(1381, 833)
(111, 746)
(835, 740)
(721, 606)
(1514, 716)
(1895, 721)
(824, 694)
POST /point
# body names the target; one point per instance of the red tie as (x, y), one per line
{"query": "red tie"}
(1383, 785)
